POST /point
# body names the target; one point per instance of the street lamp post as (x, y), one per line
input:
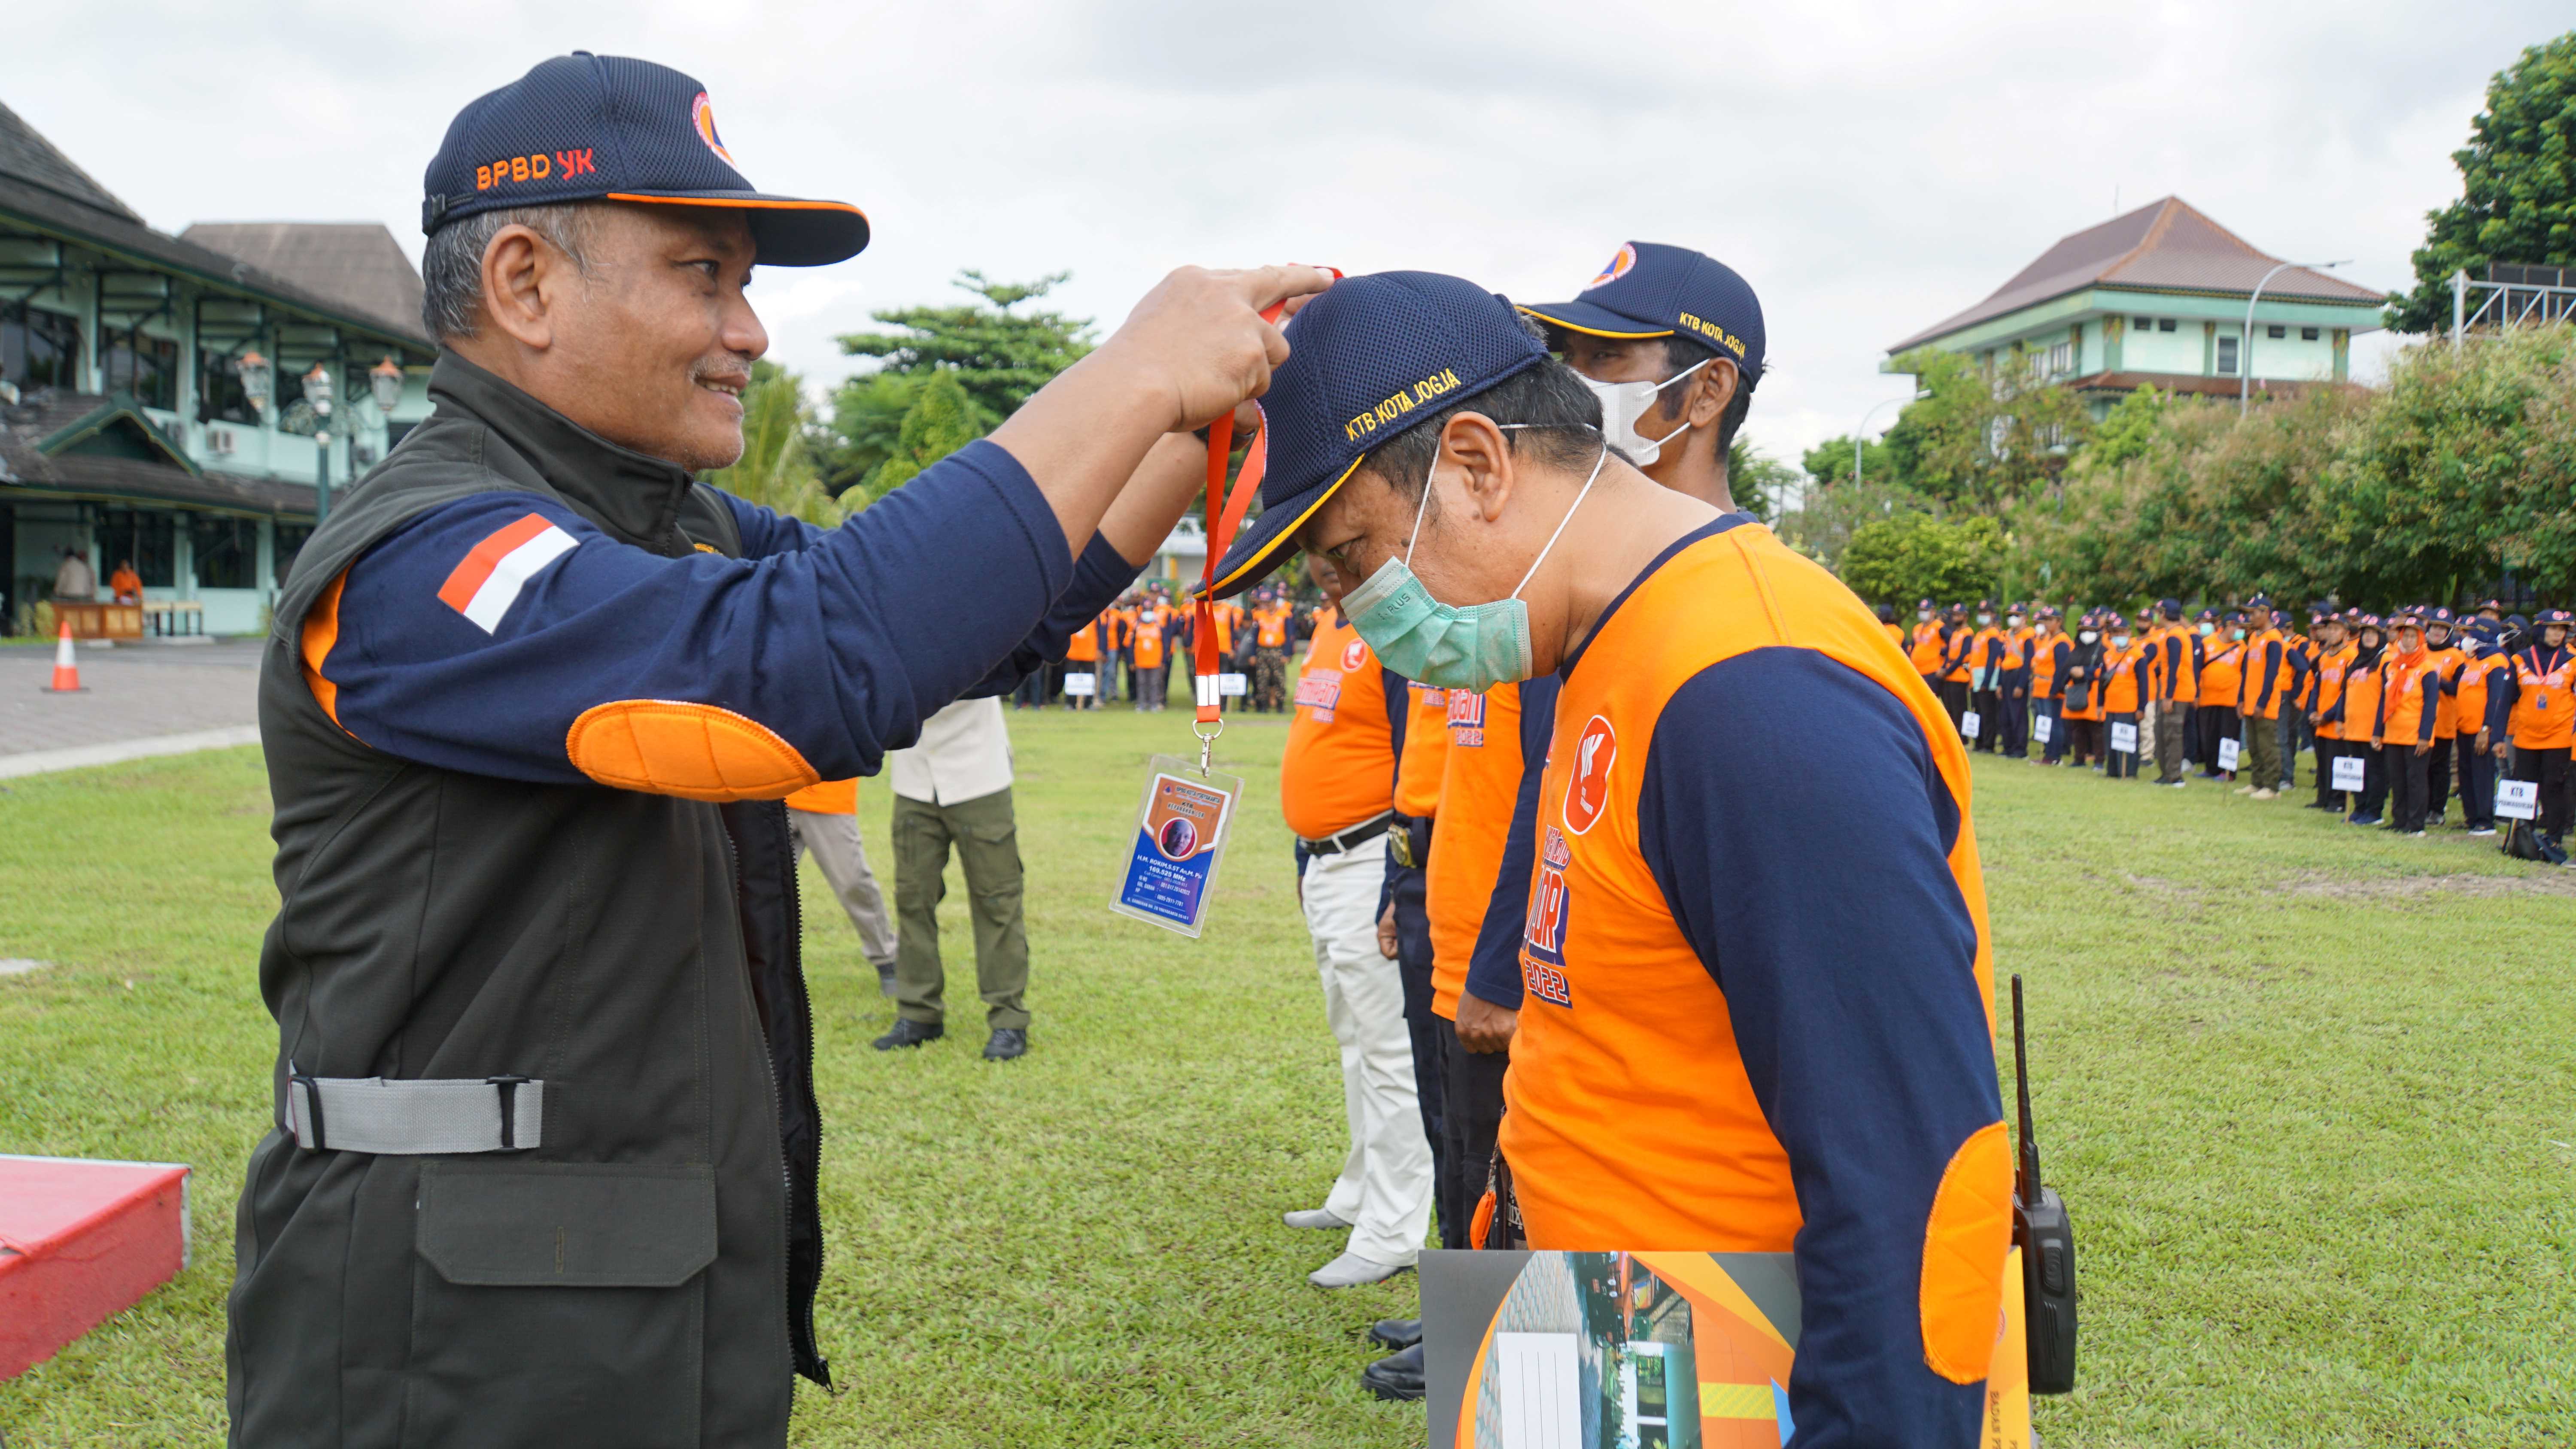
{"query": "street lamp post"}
(1861, 434)
(2245, 348)
(317, 391)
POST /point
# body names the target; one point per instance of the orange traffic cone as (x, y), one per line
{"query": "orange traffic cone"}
(66, 670)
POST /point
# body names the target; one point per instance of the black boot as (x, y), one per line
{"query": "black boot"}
(1006, 1043)
(1396, 1376)
(1396, 1332)
(910, 1033)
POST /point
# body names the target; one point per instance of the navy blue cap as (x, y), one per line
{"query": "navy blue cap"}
(584, 127)
(1368, 359)
(1653, 290)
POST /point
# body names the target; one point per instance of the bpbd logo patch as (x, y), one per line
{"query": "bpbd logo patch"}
(1619, 266)
(1587, 790)
(702, 115)
(1543, 938)
(1466, 718)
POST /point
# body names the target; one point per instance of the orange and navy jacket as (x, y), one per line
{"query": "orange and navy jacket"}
(1151, 623)
(2018, 644)
(504, 634)
(1896, 632)
(2222, 673)
(2047, 660)
(1270, 625)
(1339, 767)
(2469, 687)
(1425, 752)
(2333, 672)
(2447, 662)
(2267, 674)
(2177, 664)
(2360, 708)
(2410, 692)
(2529, 698)
(832, 797)
(1986, 651)
(1955, 656)
(2123, 685)
(1084, 646)
(1931, 642)
(1715, 1052)
(1479, 875)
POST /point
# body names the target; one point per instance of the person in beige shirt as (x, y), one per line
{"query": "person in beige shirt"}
(953, 788)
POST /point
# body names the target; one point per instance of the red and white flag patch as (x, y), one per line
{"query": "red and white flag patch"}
(487, 583)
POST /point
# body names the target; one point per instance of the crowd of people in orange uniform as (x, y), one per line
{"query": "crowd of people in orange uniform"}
(2426, 702)
(1138, 640)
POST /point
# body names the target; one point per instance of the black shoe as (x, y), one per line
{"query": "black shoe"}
(1007, 1042)
(1396, 1376)
(910, 1033)
(1396, 1332)
(885, 979)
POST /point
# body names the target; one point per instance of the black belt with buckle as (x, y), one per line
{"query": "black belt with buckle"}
(1360, 834)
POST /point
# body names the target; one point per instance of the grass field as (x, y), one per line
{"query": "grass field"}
(2310, 1093)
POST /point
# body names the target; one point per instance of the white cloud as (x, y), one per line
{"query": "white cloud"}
(1869, 167)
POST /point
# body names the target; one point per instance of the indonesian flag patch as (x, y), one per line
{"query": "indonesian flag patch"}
(488, 581)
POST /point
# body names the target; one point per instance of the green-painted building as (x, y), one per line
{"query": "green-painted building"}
(129, 428)
(2157, 296)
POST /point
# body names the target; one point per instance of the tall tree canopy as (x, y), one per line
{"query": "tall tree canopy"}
(999, 356)
(776, 469)
(2517, 183)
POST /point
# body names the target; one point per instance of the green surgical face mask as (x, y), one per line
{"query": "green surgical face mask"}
(1449, 646)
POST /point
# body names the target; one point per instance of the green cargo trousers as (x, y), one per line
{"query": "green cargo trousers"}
(2261, 765)
(987, 839)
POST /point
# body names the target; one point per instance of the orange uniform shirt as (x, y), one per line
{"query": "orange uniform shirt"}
(2047, 652)
(1929, 645)
(2124, 686)
(1426, 751)
(2471, 685)
(2542, 711)
(2361, 700)
(2446, 708)
(1270, 626)
(2222, 673)
(2333, 673)
(1084, 646)
(831, 797)
(1152, 623)
(1339, 768)
(2268, 675)
(1480, 779)
(1715, 1051)
(2410, 688)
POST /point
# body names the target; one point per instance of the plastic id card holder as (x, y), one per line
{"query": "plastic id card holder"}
(1181, 830)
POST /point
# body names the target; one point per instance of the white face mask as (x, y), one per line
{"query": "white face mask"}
(2088, 636)
(1923, 614)
(2012, 621)
(1985, 618)
(2119, 641)
(1623, 403)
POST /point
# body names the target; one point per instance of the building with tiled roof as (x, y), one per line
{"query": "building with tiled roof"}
(126, 431)
(2158, 296)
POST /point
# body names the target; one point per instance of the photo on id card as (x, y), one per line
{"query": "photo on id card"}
(1180, 839)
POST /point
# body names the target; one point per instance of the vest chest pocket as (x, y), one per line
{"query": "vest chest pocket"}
(559, 1303)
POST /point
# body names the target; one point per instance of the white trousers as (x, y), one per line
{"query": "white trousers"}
(1384, 1190)
(834, 839)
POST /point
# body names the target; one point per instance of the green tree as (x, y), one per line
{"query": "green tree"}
(865, 427)
(942, 420)
(776, 469)
(2130, 428)
(2517, 182)
(1760, 482)
(1984, 437)
(1829, 463)
(1909, 556)
(998, 356)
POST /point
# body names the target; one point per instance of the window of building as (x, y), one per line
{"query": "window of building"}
(227, 551)
(2276, 330)
(147, 367)
(2227, 356)
(2307, 334)
(39, 349)
(290, 542)
(220, 398)
(2144, 324)
(2164, 324)
(147, 536)
(2061, 359)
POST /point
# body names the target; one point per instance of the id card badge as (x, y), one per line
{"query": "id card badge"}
(1181, 830)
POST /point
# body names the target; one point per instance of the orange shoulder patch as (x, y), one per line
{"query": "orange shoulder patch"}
(1964, 1246)
(322, 632)
(695, 751)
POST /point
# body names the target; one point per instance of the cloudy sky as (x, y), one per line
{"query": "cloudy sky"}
(1871, 168)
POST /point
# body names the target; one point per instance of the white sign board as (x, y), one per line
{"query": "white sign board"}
(1542, 1390)
(1970, 724)
(2124, 739)
(1082, 685)
(2518, 799)
(1234, 684)
(2043, 729)
(2349, 772)
(2229, 751)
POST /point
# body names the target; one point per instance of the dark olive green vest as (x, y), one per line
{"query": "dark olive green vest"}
(646, 1276)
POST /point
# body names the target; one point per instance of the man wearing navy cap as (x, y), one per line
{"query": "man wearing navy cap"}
(547, 1148)
(1670, 340)
(1713, 1052)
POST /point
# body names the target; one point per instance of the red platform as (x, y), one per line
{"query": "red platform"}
(81, 1242)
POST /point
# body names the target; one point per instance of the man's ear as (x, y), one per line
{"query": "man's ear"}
(1715, 390)
(1478, 447)
(523, 274)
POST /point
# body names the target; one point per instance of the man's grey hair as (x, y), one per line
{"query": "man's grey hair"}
(451, 265)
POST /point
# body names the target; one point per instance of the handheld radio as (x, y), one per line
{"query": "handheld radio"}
(2047, 1243)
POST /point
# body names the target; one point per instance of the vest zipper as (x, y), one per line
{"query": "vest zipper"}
(777, 1110)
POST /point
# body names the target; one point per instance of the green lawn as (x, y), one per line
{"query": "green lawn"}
(2307, 1090)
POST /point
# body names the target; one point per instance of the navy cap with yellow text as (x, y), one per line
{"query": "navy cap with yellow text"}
(1369, 358)
(584, 127)
(1653, 290)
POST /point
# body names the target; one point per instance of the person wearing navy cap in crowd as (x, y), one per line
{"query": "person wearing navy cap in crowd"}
(546, 1156)
(1670, 340)
(1714, 1052)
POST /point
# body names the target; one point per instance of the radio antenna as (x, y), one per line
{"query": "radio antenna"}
(2026, 1184)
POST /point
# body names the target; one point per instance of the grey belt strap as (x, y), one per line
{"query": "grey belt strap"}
(412, 1118)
